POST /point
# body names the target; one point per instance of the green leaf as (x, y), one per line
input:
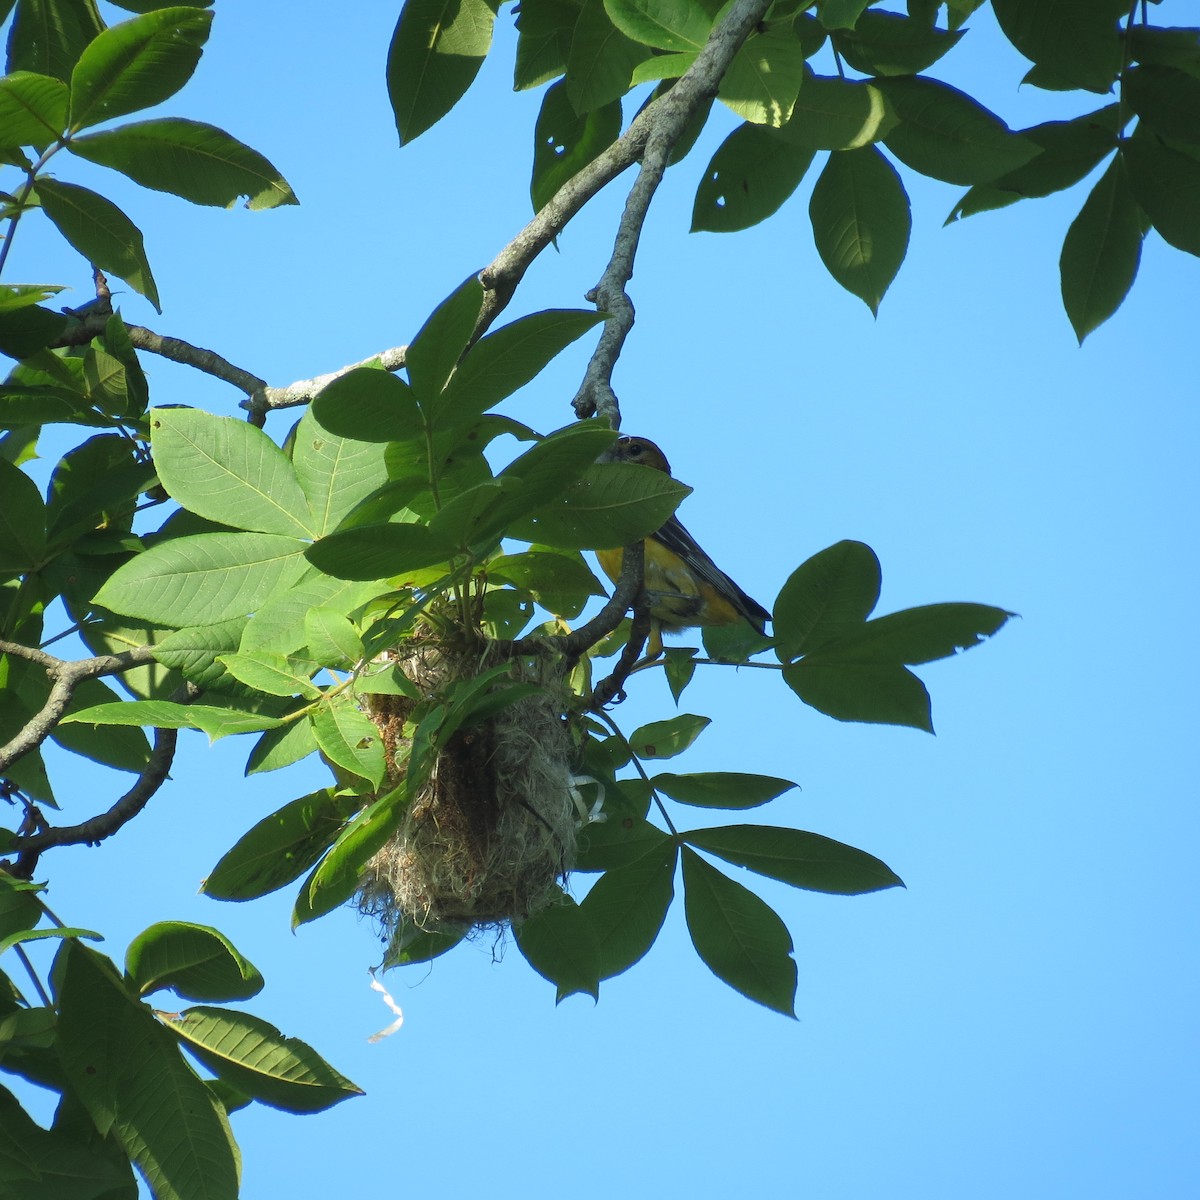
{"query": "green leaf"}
(624, 835)
(204, 579)
(664, 67)
(101, 232)
(411, 944)
(886, 43)
(349, 738)
(627, 906)
(752, 173)
(841, 14)
(257, 1059)
(838, 114)
(805, 860)
(335, 879)
(278, 626)
(433, 354)
(547, 469)
(281, 747)
(1070, 150)
(332, 640)
(1101, 252)
(194, 652)
(564, 142)
(36, 1164)
(22, 521)
(506, 360)
(679, 665)
(876, 693)
(860, 219)
(739, 937)
(916, 635)
(128, 1072)
(826, 597)
(764, 79)
(613, 504)
(721, 789)
(33, 109)
(559, 943)
(37, 935)
(436, 52)
(49, 35)
(281, 847)
(370, 405)
(601, 60)
(946, 135)
(270, 673)
(379, 551)
(137, 64)
(122, 749)
(1168, 100)
(666, 739)
(196, 962)
(1076, 39)
(545, 28)
(15, 296)
(1165, 47)
(559, 581)
(199, 162)
(165, 714)
(20, 909)
(1167, 186)
(228, 471)
(678, 25)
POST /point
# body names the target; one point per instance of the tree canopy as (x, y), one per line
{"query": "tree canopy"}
(393, 580)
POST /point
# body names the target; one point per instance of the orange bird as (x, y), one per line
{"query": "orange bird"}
(685, 587)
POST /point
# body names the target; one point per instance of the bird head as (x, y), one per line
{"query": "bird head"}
(638, 450)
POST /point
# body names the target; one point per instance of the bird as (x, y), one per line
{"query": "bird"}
(686, 589)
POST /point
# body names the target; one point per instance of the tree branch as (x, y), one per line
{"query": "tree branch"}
(266, 399)
(67, 676)
(671, 114)
(95, 830)
(573, 644)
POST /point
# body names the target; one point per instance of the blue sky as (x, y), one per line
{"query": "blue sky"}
(1020, 1020)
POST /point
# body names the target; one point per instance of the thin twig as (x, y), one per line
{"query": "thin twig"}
(671, 114)
(266, 399)
(613, 687)
(573, 644)
(95, 830)
(67, 676)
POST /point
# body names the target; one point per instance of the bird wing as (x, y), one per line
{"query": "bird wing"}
(679, 541)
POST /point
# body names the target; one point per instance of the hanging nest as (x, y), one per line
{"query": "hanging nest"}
(489, 834)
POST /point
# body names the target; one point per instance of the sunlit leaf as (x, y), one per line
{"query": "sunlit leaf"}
(190, 159)
(101, 232)
(257, 1059)
(127, 1071)
(204, 579)
(196, 962)
(137, 64)
(280, 848)
(228, 471)
(437, 49)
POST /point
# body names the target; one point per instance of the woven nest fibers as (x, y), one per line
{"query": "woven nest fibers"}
(490, 832)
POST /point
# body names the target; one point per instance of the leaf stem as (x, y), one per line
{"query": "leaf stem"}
(37, 983)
